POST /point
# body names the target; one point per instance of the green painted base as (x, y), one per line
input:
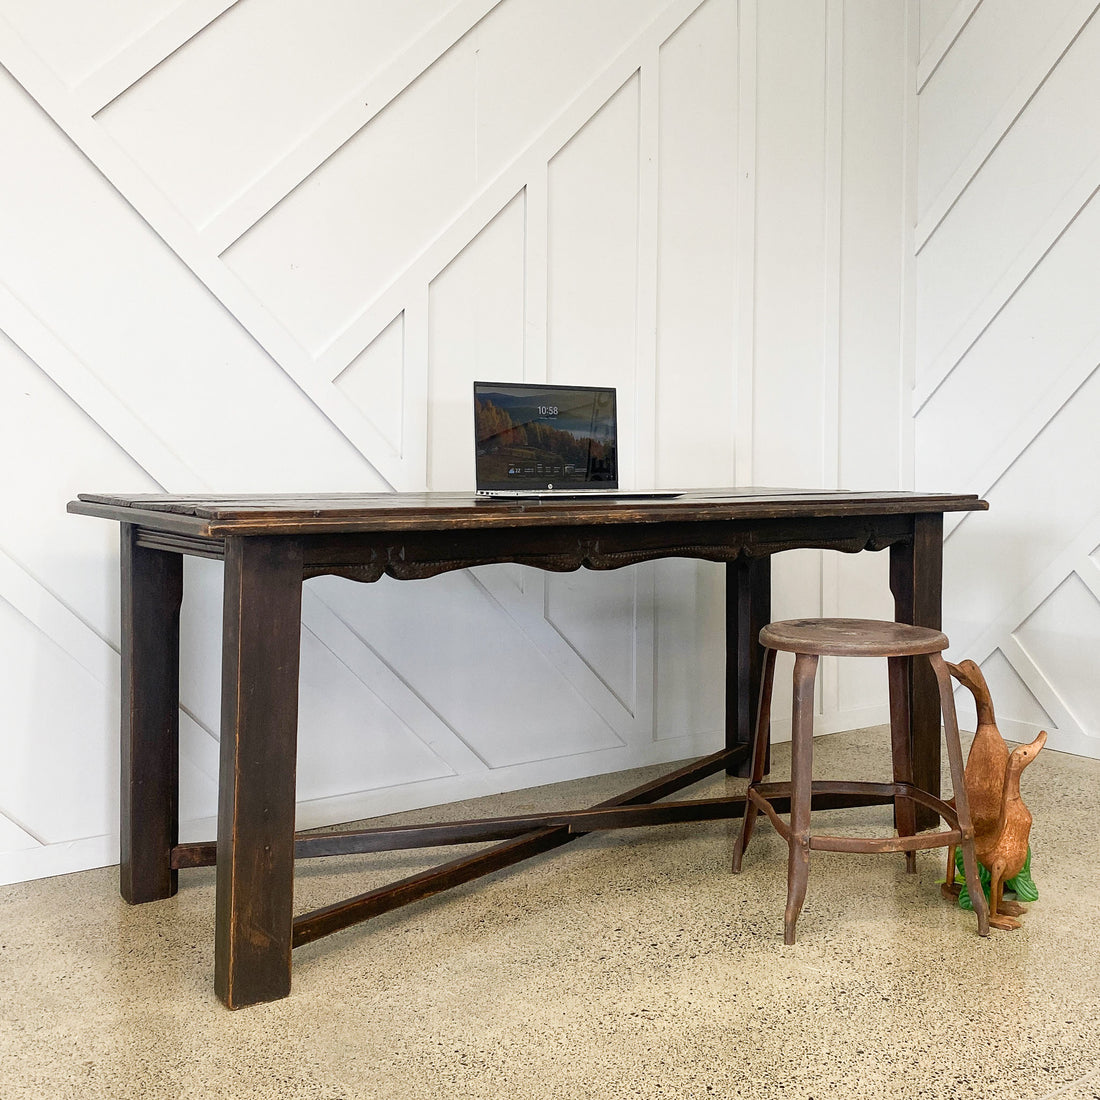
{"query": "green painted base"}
(1022, 887)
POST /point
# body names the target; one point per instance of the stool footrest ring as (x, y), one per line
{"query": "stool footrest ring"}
(872, 845)
(760, 795)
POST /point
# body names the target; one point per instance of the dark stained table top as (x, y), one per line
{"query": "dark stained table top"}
(338, 513)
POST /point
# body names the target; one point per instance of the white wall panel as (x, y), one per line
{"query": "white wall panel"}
(1040, 504)
(1060, 635)
(592, 322)
(252, 86)
(52, 445)
(333, 245)
(476, 320)
(503, 721)
(44, 688)
(76, 38)
(697, 152)
(863, 445)
(200, 661)
(114, 295)
(696, 334)
(374, 382)
(1032, 357)
(791, 279)
(974, 81)
(690, 665)
(263, 246)
(1015, 704)
(15, 839)
(592, 258)
(350, 739)
(791, 271)
(870, 239)
(533, 58)
(1028, 190)
(940, 17)
(1008, 350)
(597, 617)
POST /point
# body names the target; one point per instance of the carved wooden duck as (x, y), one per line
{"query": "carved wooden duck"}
(1004, 850)
(985, 766)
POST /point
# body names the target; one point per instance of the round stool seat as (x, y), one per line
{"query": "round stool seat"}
(852, 638)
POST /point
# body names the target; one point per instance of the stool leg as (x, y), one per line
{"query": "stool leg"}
(958, 783)
(759, 756)
(905, 812)
(802, 754)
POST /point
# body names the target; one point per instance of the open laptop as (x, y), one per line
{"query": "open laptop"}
(548, 441)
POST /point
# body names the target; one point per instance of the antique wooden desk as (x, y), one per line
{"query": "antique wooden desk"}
(271, 544)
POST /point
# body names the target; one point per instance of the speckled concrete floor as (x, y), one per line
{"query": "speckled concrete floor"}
(628, 964)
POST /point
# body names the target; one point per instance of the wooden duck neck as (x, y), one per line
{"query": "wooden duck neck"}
(1012, 781)
(1010, 795)
(1011, 802)
(983, 703)
(970, 676)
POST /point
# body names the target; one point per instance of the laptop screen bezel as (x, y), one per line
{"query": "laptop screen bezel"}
(536, 483)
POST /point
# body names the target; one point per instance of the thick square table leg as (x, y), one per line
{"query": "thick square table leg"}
(261, 642)
(748, 611)
(916, 581)
(152, 590)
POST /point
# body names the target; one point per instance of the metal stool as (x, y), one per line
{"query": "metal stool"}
(809, 639)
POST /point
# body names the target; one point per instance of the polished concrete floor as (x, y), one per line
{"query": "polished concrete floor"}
(629, 964)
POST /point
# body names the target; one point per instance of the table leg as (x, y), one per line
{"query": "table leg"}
(152, 591)
(748, 611)
(261, 641)
(916, 581)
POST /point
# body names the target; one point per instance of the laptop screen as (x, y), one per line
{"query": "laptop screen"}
(532, 437)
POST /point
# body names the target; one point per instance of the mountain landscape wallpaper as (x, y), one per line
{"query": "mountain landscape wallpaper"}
(562, 436)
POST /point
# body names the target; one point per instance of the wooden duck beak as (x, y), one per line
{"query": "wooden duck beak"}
(970, 675)
(1032, 750)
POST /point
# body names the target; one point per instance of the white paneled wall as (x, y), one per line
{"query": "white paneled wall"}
(829, 295)
(1007, 391)
(267, 245)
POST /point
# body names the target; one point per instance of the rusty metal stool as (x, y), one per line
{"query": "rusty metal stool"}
(810, 639)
